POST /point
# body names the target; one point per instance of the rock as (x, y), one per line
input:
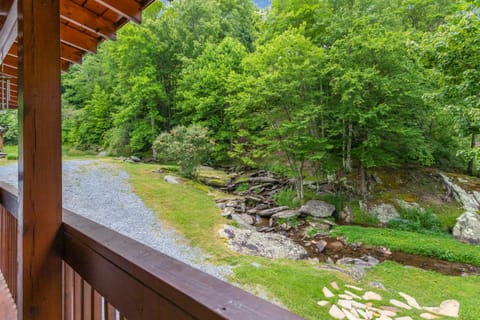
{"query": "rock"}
(336, 313)
(102, 154)
(389, 309)
(428, 316)
(322, 303)
(220, 205)
(228, 211)
(135, 159)
(244, 221)
(377, 284)
(335, 246)
(400, 304)
(468, 199)
(346, 215)
(349, 315)
(449, 308)
(263, 180)
(317, 208)
(467, 228)
(320, 247)
(385, 212)
(327, 293)
(269, 245)
(369, 295)
(353, 295)
(345, 296)
(214, 181)
(171, 179)
(335, 285)
(359, 265)
(409, 205)
(410, 300)
(269, 212)
(285, 214)
(404, 318)
(353, 287)
(347, 304)
(232, 203)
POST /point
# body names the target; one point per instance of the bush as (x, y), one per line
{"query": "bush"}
(185, 146)
(416, 220)
(287, 197)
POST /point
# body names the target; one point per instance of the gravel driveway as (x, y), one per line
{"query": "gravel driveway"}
(101, 192)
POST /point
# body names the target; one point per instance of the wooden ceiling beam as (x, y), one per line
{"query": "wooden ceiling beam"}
(71, 54)
(86, 19)
(129, 9)
(8, 33)
(77, 39)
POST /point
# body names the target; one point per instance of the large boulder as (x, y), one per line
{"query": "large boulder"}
(385, 212)
(469, 199)
(269, 245)
(318, 209)
(467, 228)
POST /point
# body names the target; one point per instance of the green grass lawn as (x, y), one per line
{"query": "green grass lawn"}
(441, 246)
(297, 285)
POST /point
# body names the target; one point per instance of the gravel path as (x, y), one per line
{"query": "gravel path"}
(101, 192)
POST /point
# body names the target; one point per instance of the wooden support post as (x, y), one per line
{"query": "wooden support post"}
(40, 171)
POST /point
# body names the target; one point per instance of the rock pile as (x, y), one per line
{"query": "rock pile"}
(361, 305)
(269, 245)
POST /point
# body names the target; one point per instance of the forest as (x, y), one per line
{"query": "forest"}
(329, 85)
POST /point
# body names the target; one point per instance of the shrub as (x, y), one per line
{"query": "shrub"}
(185, 146)
(416, 220)
(287, 197)
(243, 187)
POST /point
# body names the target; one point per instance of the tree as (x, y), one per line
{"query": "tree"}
(379, 103)
(202, 91)
(454, 52)
(275, 103)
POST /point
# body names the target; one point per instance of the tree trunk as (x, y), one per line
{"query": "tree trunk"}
(348, 163)
(363, 180)
(300, 190)
(471, 163)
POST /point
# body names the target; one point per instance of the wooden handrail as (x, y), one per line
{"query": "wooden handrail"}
(142, 283)
(9, 198)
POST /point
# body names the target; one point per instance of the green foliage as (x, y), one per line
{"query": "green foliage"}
(287, 197)
(9, 119)
(416, 220)
(312, 232)
(185, 146)
(243, 187)
(440, 246)
(290, 221)
(361, 217)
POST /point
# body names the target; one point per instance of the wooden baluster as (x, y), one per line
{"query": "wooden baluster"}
(87, 301)
(97, 306)
(77, 297)
(68, 292)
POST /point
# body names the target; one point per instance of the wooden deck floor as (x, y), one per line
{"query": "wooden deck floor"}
(8, 310)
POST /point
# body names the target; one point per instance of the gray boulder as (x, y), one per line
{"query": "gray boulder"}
(285, 214)
(269, 245)
(171, 180)
(469, 199)
(269, 212)
(244, 221)
(385, 212)
(317, 208)
(467, 228)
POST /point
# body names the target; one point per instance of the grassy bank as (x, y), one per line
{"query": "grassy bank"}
(297, 285)
(441, 246)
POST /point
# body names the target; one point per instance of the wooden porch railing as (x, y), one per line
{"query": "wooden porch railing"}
(109, 276)
(8, 237)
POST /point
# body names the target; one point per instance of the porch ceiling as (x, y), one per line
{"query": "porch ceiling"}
(84, 24)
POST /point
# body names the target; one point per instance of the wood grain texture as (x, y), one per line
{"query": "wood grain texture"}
(40, 166)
